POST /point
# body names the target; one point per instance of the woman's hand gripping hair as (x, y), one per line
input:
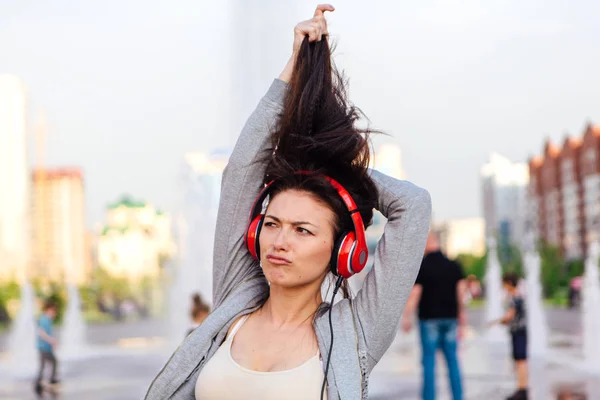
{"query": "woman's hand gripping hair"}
(315, 28)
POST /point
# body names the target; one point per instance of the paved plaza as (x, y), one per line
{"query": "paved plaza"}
(123, 359)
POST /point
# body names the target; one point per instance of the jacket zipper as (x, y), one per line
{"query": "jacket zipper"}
(360, 367)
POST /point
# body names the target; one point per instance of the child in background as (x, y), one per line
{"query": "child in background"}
(46, 343)
(515, 319)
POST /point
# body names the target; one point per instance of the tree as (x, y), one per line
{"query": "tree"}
(575, 268)
(473, 265)
(8, 291)
(59, 296)
(553, 267)
(511, 259)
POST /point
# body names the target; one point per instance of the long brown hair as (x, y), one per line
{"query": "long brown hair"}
(317, 132)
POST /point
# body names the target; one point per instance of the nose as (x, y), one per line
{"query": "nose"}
(280, 241)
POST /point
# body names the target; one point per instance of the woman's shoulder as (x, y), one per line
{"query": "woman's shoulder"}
(239, 321)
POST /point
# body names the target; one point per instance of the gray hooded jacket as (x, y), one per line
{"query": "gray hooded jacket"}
(363, 327)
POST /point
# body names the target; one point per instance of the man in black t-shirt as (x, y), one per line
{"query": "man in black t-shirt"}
(438, 293)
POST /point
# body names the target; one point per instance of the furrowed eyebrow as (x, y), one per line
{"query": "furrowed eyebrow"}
(295, 223)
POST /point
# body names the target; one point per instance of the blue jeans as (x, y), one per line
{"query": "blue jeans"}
(440, 334)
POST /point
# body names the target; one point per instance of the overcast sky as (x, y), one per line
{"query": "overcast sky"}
(129, 86)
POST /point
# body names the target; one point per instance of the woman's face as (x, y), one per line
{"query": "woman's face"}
(296, 239)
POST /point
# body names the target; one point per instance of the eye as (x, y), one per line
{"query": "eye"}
(303, 231)
(270, 224)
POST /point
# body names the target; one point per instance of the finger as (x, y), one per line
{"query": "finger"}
(321, 8)
(321, 29)
(313, 34)
(321, 25)
(318, 33)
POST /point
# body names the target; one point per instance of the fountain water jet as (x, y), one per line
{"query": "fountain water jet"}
(536, 318)
(72, 340)
(537, 327)
(194, 226)
(23, 355)
(591, 305)
(494, 294)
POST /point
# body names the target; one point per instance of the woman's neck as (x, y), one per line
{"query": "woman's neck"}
(291, 306)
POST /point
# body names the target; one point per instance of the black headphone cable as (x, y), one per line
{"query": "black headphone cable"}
(338, 283)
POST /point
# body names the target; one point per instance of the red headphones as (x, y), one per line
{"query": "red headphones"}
(350, 251)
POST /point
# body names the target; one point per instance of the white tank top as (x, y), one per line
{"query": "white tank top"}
(224, 379)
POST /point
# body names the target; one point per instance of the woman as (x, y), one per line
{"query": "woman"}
(270, 333)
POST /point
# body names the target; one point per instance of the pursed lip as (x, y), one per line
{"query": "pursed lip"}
(278, 260)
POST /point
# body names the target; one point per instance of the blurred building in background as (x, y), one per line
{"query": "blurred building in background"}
(61, 249)
(135, 240)
(462, 236)
(546, 197)
(571, 199)
(589, 165)
(565, 193)
(14, 180)
(504, 192)
(388, 159)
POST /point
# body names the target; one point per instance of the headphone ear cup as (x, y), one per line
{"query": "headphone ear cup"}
(333, 263)
(252, 235)
(257, 241)
(342, 253)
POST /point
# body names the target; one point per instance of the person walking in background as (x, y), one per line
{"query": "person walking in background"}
(46, 343)
(473, 291)
(439, 294)
(575, 291)
(516, 320)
